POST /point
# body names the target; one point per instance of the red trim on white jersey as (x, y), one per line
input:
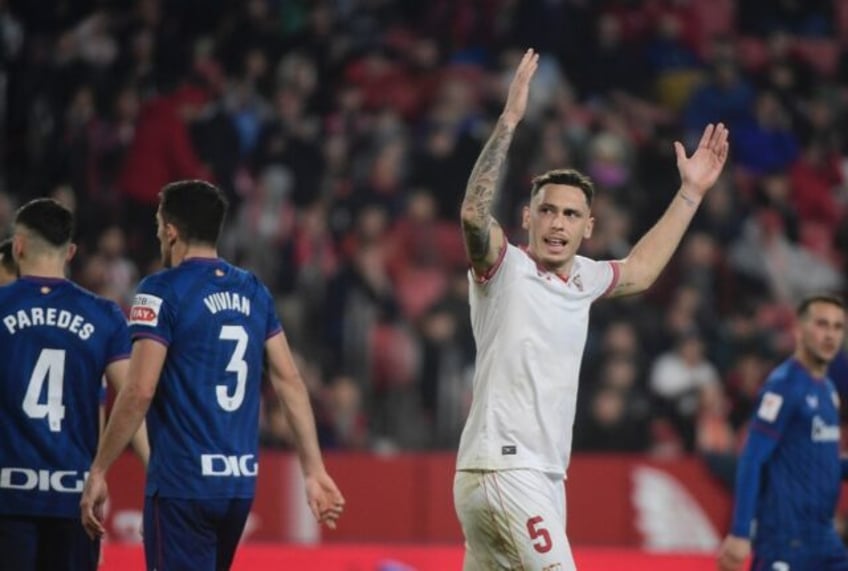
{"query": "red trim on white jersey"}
(490, 273)
(616, 274)
(542, 268)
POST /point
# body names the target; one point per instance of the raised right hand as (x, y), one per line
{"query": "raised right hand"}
(519, 89)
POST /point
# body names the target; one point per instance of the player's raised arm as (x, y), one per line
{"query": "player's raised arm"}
(484, 238)
(324, 498)
(698, 174)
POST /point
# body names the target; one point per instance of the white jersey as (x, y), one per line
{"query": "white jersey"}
(530, 327)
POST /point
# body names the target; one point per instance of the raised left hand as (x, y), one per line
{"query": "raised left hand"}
(699, 172)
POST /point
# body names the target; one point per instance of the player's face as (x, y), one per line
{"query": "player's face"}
(557, 220)
(821, 331)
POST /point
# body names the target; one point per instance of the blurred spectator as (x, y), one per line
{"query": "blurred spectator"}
(727, 94)
(121, 274)
(161, 152)
(715, 440)
(766, 143)
(677, 379)
(344, 419)
(786, 271)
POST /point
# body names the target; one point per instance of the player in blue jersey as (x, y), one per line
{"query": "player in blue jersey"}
(201, 330)
(56, 343)
(8, 267)
(788, 480)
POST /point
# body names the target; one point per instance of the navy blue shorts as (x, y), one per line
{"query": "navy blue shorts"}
(46, 543)
(192, 534)
(834, 559)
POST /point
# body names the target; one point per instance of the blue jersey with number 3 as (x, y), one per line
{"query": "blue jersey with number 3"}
(214, 319)
(56, 340)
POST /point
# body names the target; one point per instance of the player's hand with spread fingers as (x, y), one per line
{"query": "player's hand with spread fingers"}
(699, 172)
(519, 89)
(733, 553)
(324, 498)
(94, 496)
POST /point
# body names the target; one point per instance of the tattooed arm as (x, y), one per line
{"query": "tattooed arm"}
(698, 174)
(483, 236)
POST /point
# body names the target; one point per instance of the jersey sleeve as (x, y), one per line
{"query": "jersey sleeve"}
(775, 407)
(272, 322)
(152, 312)
(599, 277)
(119, 342)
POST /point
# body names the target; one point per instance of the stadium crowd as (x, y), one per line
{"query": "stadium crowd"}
(344, 131)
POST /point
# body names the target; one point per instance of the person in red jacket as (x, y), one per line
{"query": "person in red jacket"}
(160, 153)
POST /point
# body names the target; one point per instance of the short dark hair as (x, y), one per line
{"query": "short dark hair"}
(6, 259)
(196, 208)
(568, 177)
(47, 218)
(830, 298)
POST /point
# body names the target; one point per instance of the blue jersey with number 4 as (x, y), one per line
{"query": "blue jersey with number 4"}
(56, 340)
(214, 319)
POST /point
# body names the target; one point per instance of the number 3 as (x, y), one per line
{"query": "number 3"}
(236, 365)
(539, 533)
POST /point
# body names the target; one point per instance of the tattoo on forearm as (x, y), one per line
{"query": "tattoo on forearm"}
(622, 287)
(477, 239)
(480, 191)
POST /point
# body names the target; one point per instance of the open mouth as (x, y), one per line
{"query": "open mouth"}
(555, 244)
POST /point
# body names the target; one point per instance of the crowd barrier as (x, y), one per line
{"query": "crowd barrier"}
(343, 557)
(613, 500)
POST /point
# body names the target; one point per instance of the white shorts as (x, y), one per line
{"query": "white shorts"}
(512, 520)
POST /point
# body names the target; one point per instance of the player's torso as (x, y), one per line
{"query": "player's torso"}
(803, 476)
(54, 348)
(531, 331)
(204, 419)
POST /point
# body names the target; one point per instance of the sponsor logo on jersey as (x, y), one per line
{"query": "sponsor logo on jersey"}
(62, 481)
(824, 432)
(509, 450)
(770, 406)
(145, 310)
(812, 401)
(232, 465)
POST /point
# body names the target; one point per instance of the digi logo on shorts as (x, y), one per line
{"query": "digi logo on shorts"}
(222, 465)
(62, 481)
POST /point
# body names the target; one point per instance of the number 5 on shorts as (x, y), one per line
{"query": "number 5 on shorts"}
(540, 536)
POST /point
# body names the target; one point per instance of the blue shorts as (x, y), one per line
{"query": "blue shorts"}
(192, 534)
(46, 543)
(834, 558)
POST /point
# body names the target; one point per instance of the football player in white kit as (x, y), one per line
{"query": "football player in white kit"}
(530, 314)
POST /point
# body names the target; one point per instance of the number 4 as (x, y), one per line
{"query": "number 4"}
(539, 533)
(50, 367)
